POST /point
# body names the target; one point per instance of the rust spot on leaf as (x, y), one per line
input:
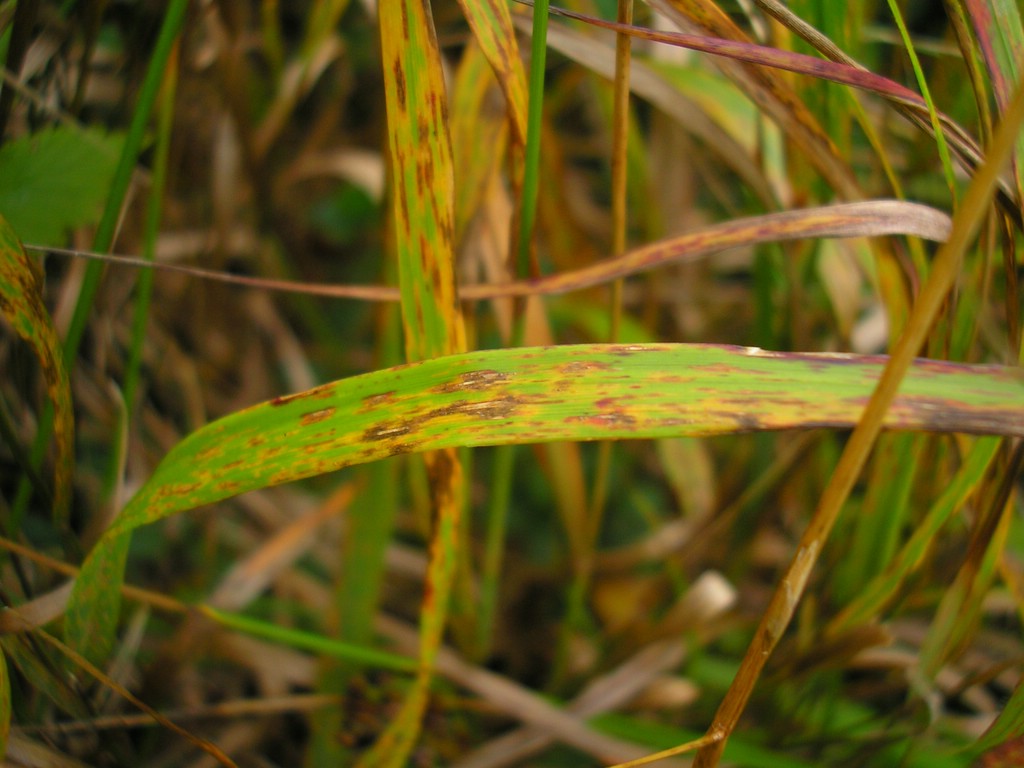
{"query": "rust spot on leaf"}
(316, 416)
(473, 381)
(501, 408)
(379, 399)
(399, 83)
(580, 367)
(616, 419)
(625, 350)
(319, 393)
(179, 489)
(386, 430)
(208, 453)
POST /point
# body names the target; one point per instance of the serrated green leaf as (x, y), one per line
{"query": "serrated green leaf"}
(56, 180)
(21, 304)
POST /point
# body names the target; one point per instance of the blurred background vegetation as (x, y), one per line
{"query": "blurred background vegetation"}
(620, 582)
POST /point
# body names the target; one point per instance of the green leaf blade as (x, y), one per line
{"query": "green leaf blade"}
(577, 392)
(56, 180)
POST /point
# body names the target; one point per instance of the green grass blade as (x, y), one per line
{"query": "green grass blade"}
(104, 237)
(873, 595)
(306, 641)
(21, 302)
(90, 623)
(1009, 724)
(154, 210)
(933, 114)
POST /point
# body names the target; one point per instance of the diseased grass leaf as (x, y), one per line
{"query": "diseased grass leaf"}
(21, 302)
(90, 622)
(491, 23)
(423, 187)
(531, 395)
(768, 90)
(577, 392)
(1000, 35)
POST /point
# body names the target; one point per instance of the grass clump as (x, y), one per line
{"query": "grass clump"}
(402, 423)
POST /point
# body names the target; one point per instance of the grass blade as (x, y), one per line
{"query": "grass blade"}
(491, 23)
(769, 91)
(22, 307)
(308, 641)
(577, 392)
(875, 594)
(422, 174)
(865, 219)
(5, 704)
(1000, 35)
(104, 237)
(926, 309)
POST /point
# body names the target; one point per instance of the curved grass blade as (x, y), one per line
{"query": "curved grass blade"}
(767, 89)
(840, 69)
(1007, 727)
(530, 395)
(1000, 34)
(22, 305)
(871, 218)
(576, 392)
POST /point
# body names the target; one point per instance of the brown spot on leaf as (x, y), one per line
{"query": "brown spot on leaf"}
(316, 416)
(399, 74)
(386, 430)
(615, 419)
(580, 367)
(379, 399)
(473, 381)
(208, 453)
(326, 390)
(501, 408)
